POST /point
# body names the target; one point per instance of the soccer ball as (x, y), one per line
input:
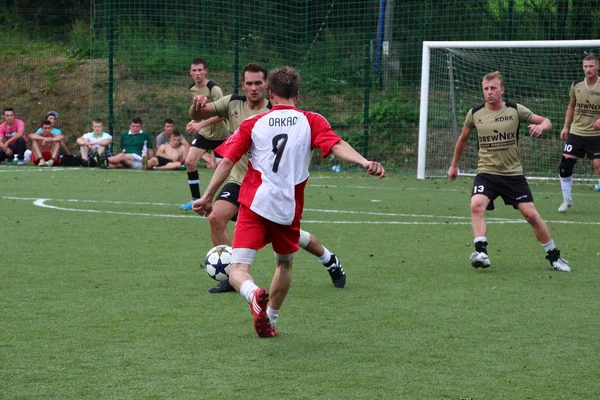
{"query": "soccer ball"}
(217, 262)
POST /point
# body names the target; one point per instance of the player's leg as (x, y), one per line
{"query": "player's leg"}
(597, 169)
(251, 234)
(173, 165)
(225, 209)
(19, 147)
(36, 149)
(222, 213)
(329, 260)
(115, 161)
(152, 163)
(280, 284)
(63, 147)
(191, 165)
(54, 151)
(286, 241)
(479, 258)
(83, 149)
(485, 190)
(565, 170)
(574, 148)
(542, 233)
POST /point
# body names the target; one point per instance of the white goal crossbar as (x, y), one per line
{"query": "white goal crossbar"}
(427, 46)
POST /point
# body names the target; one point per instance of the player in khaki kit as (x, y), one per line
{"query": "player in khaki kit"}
(583, 137)
(236, 109)
(210, 132)
(499, 170)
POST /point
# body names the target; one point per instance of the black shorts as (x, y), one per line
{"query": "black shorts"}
(206, 144)
(163, 161)
(512, 189)
(230, 193)
(580, 146)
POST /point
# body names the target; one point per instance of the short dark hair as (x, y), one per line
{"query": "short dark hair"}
(8, 109)
(284, 82)
(590, 58)
(176, 133)
(97, 121)
(136, 120)
(168, 121)
(46, 122)
(254, 67)
(197, 61)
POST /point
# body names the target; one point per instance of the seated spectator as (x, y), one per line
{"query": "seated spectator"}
(12, 138)
(52, 116)
(135, 144)
(168, 129)
(94, 145)
(45, 146)
(168, 156)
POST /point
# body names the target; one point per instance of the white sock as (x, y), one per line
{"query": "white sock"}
(324, 259)
(247, 289)
(549, 246)
(566, 184)
(480, 239)
(272, 314)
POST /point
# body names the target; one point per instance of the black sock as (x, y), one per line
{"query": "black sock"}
(481, 247)
(194, 182)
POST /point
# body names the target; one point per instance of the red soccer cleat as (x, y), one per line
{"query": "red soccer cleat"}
(258, 307)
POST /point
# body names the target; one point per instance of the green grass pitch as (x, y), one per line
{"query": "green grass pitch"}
(102, 295)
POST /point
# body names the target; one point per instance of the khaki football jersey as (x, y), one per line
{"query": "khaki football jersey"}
(587, 108)
(218, 131)
(498, 136)
(235, 109)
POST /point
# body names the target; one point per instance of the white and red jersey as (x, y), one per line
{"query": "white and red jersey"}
(280, 143)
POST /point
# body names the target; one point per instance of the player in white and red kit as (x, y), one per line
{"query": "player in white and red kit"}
(272, 193)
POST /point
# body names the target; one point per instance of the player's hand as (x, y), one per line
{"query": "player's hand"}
(452, 173)
(211, 164)
(193, 127)
(535, 130)
(564, 133)
(597, 124)
(200, 101)
(202, 206)
(375, 168)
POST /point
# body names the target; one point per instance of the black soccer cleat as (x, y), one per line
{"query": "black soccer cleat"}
(336, 272)
(222, 287)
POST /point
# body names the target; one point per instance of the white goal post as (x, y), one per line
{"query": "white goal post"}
(482, 55)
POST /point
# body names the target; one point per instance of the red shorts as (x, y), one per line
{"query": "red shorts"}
(47, 156)
(254, 232)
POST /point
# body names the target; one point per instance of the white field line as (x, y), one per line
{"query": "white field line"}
(446, 219)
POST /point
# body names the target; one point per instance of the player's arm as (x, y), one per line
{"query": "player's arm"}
(201, 109)
(568, 118)
(459, 149)
(538, 125)
(194, 126)
(347, 153)
(3, 145)
(102, 142)
(161, 151)
(16, 136)
(203, 206)
(149, 149)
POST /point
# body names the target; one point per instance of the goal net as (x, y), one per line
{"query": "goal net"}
(537, 74)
